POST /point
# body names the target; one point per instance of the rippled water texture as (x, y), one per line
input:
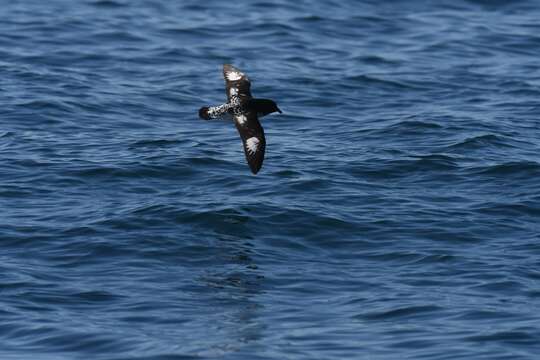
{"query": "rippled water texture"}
(396, 214)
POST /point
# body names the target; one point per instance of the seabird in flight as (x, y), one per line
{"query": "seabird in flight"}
(245, 111)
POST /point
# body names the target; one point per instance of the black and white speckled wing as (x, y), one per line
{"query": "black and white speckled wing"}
(237, 83)
(252, 135)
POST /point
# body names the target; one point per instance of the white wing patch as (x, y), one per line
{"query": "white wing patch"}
(242, 120)
(218, 111)
(234, 75)
(252, 144)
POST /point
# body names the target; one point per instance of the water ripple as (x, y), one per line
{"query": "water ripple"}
(396, 211)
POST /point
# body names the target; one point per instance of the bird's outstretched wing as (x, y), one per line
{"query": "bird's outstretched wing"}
(252, 135)
(236, 83)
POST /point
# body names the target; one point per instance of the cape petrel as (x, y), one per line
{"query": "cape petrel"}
(245, 111)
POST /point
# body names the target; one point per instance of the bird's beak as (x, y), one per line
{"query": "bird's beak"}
(279, 111)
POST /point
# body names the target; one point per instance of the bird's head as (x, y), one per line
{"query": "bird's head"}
(264, 106)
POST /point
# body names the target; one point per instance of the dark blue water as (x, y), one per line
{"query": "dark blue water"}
(397, 214)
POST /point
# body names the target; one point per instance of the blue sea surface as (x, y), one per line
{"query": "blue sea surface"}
(396, 216)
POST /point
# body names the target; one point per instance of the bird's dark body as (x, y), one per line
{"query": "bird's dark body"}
(261, 107)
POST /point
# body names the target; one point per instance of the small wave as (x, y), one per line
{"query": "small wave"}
(289, 173)
(404, 312)
(94, 296)
(494, 4)
(510, 209)
(512, 168)
(69, 341)
(519, 93)
(511, 337)
(188, 32)
(396, 257)
(309, 19)
(156, 143)
(374, 82)
(375, 60)
(480, 141)
(310, 185)
(16, 193)
(485, 315)
(276, 27)
(80, 231)
(153, 209)
(416, 124)
(42, 105)
(215, 217)
(141, 170)
(508, 287)
(6, 134)
(108, 4)
(117, 36)
(411, 127)
(405, 167)
(226, 220)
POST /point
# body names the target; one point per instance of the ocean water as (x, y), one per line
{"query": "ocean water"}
(397, 214)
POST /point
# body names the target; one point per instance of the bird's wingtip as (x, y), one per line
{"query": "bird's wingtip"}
(254, 168)
(203, 113)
